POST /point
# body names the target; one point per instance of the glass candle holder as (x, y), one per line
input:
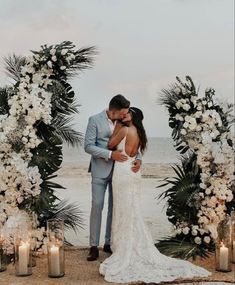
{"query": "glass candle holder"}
(223, 247)
(23, 255)
(233, 235)
(3, 257)
(55, 234)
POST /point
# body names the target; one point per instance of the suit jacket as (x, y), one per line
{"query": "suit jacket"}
(97, 135)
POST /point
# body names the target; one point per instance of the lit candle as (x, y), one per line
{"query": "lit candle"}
(23, 258)
(55, 261)
(223, 260)
(1, 242)
(234, 251)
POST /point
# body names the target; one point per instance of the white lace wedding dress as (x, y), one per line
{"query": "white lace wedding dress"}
(135, 258)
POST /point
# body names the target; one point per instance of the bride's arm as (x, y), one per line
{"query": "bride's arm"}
(117, 136)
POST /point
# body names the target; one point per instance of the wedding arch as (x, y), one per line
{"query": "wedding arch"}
(35, 120)
(202, 192)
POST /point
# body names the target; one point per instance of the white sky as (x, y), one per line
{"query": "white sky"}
(143, 45)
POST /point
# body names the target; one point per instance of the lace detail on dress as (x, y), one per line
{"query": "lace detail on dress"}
(135, 258)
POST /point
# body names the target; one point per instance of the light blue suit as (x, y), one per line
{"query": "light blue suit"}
(96, 139)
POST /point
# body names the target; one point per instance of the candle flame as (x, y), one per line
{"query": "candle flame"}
(222, 244)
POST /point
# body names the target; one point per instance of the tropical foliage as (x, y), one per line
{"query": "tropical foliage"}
(202, 192)
(36, 112)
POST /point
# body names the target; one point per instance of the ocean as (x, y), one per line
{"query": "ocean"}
(160, 150)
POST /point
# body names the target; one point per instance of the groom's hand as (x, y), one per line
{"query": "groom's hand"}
(119, 156)
(136, 165)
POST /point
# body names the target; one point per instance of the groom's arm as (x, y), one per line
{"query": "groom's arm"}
(90, 142)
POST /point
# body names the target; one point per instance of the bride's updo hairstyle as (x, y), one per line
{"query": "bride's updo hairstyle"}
(137, 118)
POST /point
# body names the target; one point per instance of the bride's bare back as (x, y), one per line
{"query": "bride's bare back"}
(132, 139)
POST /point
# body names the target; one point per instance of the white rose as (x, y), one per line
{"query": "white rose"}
(208, 191)
(198, 240)
(178, 104)
(186, 230)
(54, 58)
(207, 239)
(183, 132)
(186, 107)
(194, 232)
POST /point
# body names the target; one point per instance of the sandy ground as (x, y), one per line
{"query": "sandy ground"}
(80, 272)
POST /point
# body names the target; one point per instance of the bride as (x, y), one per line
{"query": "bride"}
(135, 258)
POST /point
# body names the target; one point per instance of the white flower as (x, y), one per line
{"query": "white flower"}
(186, 230)
(63, 67)
(198, 240)
(207, 239)
(54, 58)
(208, 191)
(178, 117)
(64, 51)
(49, 63)
(183, 132)
(53, 51)
(186, 107)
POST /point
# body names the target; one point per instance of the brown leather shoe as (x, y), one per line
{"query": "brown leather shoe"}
(93, 253)
(107, 248)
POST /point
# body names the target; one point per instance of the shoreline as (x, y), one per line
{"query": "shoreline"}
(77, 182)
(148, 170)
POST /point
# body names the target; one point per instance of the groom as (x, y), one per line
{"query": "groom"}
(99, 129)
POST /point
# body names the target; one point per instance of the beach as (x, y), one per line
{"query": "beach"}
(77, 181)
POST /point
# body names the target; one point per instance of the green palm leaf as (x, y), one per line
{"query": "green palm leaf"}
(65, 131)
(4, 96)
(70, 214)
(13, 64)
(182, 248)
(47, 156)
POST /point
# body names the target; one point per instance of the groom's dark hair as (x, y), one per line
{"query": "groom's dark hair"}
(119, 102)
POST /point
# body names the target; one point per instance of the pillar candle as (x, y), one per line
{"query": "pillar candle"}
(223, 259)
(234, 251)
(55, 261)
(23, 258)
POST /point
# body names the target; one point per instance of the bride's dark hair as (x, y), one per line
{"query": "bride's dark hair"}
(137, 118)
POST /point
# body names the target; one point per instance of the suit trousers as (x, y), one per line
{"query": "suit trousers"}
(99, 187)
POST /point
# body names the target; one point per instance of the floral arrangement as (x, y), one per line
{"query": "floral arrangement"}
(202, 193)
(35, 113)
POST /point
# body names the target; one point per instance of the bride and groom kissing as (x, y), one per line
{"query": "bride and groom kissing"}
(116, 141)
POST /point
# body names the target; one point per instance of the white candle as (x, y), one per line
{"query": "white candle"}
(23, 258)
(223, 259)
(55, 261)
(234, 251)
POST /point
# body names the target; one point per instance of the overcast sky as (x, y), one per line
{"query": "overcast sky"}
(143, 45)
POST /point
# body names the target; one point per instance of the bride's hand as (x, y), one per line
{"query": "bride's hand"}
(136, 165)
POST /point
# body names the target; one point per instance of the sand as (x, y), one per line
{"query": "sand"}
(80, 272)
